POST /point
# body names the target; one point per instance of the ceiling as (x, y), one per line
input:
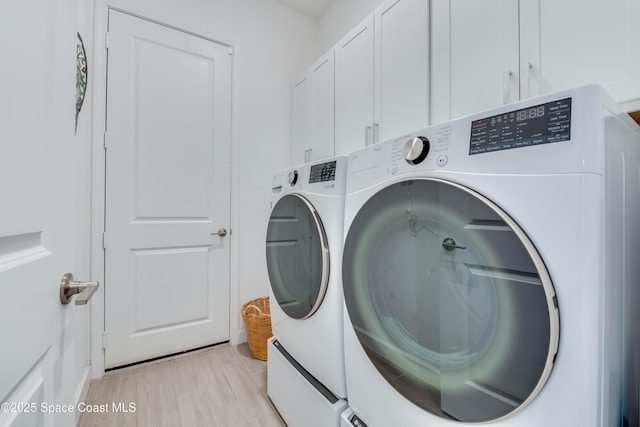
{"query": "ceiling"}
(312, 8)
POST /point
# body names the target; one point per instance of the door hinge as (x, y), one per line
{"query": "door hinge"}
(104, 240)
(106, 41)
(231, 51)
(104, 340)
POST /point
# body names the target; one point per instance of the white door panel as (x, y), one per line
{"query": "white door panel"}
(168, 191)
(43, 214)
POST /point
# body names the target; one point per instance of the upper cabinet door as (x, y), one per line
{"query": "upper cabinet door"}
(323, 108)
(402, 68)
(382, 76)
(354, 88)
(576, 42)
(301, 119)
(312, 113)
(484, 55)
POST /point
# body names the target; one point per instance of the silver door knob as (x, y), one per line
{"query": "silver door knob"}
(221, 232)
(69, 288)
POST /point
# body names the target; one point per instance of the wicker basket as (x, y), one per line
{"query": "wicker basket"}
(257, 322)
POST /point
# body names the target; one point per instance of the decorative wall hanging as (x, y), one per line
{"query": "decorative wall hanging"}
(81, 76)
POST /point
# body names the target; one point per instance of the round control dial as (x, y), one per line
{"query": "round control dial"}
(416, 150)
(292, 178)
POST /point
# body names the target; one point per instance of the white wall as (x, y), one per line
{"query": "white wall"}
(341, 17)
(272, 43)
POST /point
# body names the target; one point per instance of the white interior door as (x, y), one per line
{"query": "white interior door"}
(167, 191)
(43, 215)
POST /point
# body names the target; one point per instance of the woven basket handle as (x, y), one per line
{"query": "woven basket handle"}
(252, 308)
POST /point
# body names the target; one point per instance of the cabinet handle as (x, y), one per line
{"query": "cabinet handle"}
(506, 87)
(367, 135)
(529, 72)
(307, 155)
(509, 75)
(376, 133)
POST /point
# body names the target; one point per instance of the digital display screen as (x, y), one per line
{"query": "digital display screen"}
(323, 172)
(540, 124)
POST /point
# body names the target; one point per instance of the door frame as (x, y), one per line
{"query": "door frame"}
(98, 169)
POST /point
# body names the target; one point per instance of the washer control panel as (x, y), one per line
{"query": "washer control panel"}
(424, 148)
(539, 124)
(550, 134)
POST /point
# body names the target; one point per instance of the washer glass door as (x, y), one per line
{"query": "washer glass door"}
(450, 300)
(297, 256)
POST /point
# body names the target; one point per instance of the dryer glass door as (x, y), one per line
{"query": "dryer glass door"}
(450, 300)
(297, 256)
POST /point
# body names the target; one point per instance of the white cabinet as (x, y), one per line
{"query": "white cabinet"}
(382, 76)
(476, 61)
(301, 139)
(312, 113)
(354, 88)
(491, 52)
(401, 93)
(578, 42)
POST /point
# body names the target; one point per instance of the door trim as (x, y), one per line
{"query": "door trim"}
(98, 175)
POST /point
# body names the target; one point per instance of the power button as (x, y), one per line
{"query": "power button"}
(442, 160)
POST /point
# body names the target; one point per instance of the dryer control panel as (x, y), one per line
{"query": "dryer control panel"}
(538, 124)
(323, 172)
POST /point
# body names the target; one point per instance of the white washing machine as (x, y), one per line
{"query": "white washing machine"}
(490, 270)
(305, 368)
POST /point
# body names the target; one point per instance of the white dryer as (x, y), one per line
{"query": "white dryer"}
(490, 270)
(305, 368)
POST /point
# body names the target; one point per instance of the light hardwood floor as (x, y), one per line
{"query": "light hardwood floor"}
(221, 386)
